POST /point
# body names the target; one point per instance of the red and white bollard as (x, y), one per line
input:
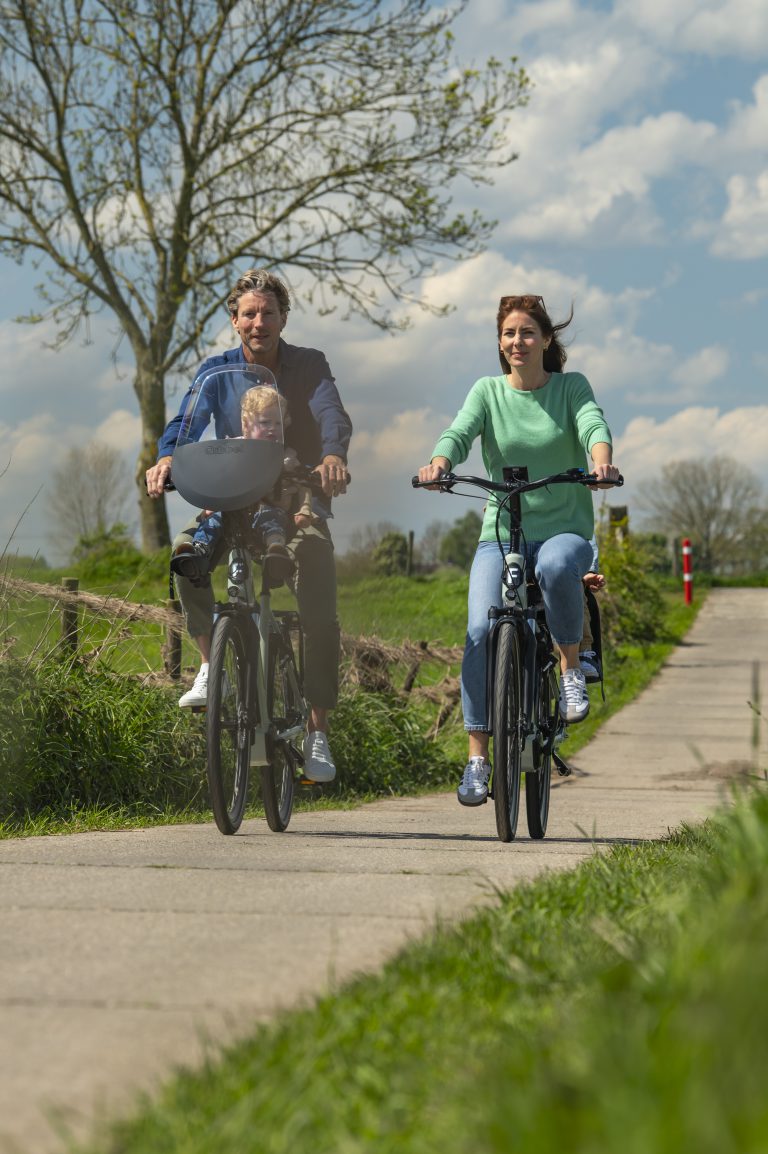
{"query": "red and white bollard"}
(687, 570)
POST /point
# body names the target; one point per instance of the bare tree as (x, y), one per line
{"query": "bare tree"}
(88, 494)
(719, 504)
(147, 148)
(430, 542)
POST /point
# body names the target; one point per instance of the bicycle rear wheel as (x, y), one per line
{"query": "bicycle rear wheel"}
(287, 711)
(227, 724)
(538, 780)
(506, 730)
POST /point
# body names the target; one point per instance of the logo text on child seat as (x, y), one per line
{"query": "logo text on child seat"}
(222, 447)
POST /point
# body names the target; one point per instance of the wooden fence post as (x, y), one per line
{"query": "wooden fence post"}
(69, 615)
(409, 560)
(172, 647)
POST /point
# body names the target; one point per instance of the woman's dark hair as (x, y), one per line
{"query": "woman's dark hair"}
(555, 356)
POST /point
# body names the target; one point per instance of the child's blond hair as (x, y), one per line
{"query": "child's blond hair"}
(260, 398)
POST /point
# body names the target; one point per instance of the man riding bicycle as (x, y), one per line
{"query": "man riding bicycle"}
(319, 433)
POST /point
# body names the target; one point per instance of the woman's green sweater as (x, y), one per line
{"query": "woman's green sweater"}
(548, 430)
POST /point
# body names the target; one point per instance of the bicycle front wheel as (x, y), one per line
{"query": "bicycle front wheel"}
(507, 708)
(287, 712)
(538, 780)
(227, 723)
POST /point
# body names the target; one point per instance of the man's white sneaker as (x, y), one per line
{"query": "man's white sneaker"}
(198, 694)
(589, 665)
(473, 787)
(318, 763)
(574, 703)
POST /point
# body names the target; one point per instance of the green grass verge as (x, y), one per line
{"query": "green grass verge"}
(631, 668)
(619, 1006)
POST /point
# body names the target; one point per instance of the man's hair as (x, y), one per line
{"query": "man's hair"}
(260, 398)
(259, 280)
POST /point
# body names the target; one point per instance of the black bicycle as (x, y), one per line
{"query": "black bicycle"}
(521, 663)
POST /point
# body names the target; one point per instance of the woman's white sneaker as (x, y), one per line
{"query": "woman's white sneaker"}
(574, 703)
(473, 787)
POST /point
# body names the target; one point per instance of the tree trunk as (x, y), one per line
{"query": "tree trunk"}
(153, 515)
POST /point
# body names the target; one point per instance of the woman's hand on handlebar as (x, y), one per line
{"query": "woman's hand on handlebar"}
(157, 477)
(433, 471)
(609, 473)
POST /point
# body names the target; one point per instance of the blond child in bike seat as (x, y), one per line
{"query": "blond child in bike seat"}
(264, 412)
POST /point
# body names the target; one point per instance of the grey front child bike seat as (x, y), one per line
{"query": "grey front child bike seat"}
(226, 475)
(230, 448)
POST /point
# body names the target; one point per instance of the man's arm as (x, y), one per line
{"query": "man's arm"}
(335, 432)
(332, 419)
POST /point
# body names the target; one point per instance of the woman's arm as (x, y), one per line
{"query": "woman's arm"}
(602, 458)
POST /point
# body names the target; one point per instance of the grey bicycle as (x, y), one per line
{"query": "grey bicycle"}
(256, 710)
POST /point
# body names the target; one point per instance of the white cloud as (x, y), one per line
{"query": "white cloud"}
(122, 431)
(646, 444)
(625, 363)
(713, 27)
(746, 134)
(409, 438)
(743, 230)
(702, 368)
(738, 27)
(606, 188)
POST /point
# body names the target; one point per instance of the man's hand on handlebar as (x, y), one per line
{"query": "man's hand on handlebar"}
(157, 476)
(433, 471)
(334, 476)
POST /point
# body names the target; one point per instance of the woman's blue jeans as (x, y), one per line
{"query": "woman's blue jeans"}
(559, 565)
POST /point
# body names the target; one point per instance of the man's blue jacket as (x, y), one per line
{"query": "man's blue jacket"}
(319, 425)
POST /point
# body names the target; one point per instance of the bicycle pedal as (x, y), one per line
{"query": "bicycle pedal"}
(198, 709)
(563, 768)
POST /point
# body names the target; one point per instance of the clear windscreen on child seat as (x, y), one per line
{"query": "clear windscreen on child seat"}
(230, 447)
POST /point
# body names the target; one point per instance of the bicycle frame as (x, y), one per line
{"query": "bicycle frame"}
(264, 624)
(515, 588)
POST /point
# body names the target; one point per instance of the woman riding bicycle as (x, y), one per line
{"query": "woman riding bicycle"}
(538, 416)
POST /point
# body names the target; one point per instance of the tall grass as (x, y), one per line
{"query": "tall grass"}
(74, 735)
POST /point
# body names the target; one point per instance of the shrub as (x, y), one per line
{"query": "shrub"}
(379, 746)
(390, 556)
(631, 607)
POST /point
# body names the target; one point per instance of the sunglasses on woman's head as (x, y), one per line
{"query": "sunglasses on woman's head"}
(527, 301)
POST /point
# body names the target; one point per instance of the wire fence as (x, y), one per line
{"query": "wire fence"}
(368, 662)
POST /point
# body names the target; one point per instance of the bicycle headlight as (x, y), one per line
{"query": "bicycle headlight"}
(237, 572)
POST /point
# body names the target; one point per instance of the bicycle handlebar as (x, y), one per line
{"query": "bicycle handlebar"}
(446, 482)
(305, 474)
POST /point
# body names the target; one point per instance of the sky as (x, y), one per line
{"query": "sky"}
(639, 198)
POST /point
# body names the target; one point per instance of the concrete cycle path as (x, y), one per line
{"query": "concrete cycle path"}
(126, 955)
